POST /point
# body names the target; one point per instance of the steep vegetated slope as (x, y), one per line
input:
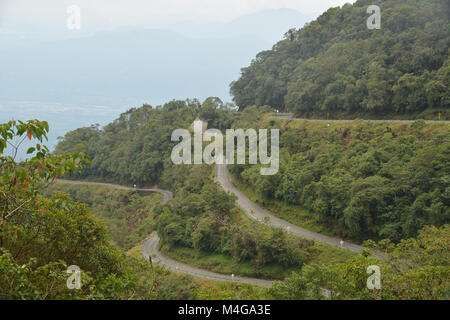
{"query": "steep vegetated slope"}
(415, 269)
(204, 221)
(136, 148)
(41, 236)
(127, 213)
(360, 180)
(337, 65)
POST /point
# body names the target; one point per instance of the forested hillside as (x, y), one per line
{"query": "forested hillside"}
(348, 197)
(360, 180)
(127, 213)
(337, 65)
(40, 236)
(415, 269)
(136, 147)
(203, 221)
(357, 180)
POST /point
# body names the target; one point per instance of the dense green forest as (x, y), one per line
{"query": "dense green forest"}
(127, 214)
(414, 269)
(201, 217)
(204, 217)
(337, 65)
(362, 180)
(41, 235)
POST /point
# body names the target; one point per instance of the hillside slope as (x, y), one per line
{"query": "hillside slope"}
(336, 65)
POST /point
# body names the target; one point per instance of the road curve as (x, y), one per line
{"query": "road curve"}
(223, 177)
(150, 247)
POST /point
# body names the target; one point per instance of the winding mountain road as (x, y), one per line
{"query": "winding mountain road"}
(150, 247)
(262, 215)
(167, 195)
(290, 117)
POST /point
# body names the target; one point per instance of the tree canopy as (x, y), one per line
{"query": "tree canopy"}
(336, 65)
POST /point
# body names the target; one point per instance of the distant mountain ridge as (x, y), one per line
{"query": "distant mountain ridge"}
(132, 66)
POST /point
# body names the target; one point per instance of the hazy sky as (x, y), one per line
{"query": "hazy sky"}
(149, 13)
